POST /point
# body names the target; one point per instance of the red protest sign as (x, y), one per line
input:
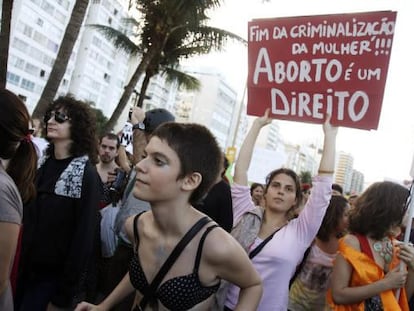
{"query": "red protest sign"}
(305, 67)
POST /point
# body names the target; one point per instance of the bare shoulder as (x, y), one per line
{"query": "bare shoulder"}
(352, 241)
(129, 223)
(220, 246)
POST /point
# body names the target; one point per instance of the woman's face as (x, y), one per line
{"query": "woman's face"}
(257, 193)
(156, 179)
(58, 126)
(344, 222)
(281, 193)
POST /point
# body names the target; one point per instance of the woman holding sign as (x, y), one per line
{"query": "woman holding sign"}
(274, 241)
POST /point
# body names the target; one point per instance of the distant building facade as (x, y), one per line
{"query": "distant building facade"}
(96, 71)
(343, 170)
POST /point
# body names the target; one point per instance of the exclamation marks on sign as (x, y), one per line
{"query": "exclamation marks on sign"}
(382, 45)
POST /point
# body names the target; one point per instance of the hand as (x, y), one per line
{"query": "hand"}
(111, 177)
(406, 254)
(85, 306)
(395, 278)
(328, 129)
(264, 120)
(137, 115)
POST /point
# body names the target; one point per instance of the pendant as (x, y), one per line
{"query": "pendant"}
(377, 246)
(387, 258)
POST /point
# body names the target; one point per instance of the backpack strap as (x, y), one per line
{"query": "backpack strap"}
(261, 245)
(150, 292)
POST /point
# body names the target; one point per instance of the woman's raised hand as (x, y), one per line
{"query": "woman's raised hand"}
(328, 129)
(264, 120)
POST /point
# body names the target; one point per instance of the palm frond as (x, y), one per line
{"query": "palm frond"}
(183, 79)
(119, 39)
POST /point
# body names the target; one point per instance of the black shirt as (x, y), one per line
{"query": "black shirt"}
(218, 205)
(58, 230)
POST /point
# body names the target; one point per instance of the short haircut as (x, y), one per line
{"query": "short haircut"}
(197, 150)
(110, 136)
(381, 206)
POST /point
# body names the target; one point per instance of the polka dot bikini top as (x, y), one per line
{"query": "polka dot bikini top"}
(178, 293)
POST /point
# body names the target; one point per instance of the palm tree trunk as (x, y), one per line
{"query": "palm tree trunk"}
(6, 16)
(123, 101)
(62, 58)
(144, 88)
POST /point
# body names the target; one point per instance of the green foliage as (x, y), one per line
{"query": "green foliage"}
(101, 120)
(305, 177)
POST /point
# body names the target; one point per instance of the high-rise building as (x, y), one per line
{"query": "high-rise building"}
(343, 171)
(100, 72)
(37, 29)
(357, 182)
(214, 105)
(96, 71)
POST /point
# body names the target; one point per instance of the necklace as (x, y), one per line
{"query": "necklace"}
(384, 249)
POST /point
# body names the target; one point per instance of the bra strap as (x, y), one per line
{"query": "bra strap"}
(200, 247)
(150, 292)
(136, 236)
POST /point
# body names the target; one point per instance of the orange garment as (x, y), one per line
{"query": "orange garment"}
(366, 271)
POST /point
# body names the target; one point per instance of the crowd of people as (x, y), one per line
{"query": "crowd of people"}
(146, 219)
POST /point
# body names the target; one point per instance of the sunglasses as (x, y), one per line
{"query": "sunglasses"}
(60, 117)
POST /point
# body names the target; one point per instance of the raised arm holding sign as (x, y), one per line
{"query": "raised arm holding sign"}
(305, 67)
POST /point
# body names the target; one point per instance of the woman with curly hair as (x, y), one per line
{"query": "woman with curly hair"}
(60, 224)
(367, 272)
(17, 170)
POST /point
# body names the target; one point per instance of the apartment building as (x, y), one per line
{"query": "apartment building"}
(96, 72)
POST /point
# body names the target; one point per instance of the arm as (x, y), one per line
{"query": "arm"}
(246, 150)
(9, 233)
(11, 211)
(139, 140)
(130, 136)
(233, 265)
(343, 293)
(327, 164)
(310, 219)
(406, 254)
(123, 159)
(123, 289)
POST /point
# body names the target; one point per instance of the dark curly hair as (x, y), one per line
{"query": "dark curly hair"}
(338, 205)
(378, 208)
(83, 127)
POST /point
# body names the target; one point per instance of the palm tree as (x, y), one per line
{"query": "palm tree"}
(167, 26)
(6, 15)
(62, 58)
